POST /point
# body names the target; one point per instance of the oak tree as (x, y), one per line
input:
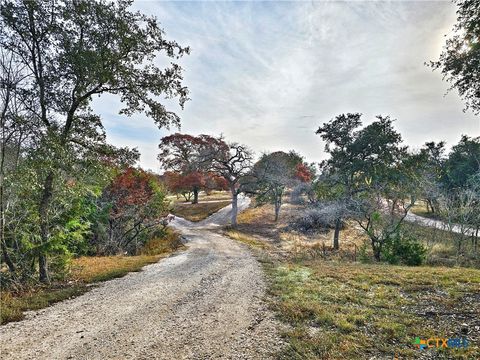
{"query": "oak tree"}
(72, 51)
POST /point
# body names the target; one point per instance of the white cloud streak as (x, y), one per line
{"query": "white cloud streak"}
(268, 74)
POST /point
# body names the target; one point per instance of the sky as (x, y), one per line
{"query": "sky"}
(268, 74)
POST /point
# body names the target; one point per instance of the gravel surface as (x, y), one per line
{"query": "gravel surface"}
(456, 228)
(207, 302)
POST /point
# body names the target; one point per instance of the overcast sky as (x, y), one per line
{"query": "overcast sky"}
(268, 74)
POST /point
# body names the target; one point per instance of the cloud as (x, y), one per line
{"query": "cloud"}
(269, 73)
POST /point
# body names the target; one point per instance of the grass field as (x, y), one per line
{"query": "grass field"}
(420, 209)
(83, 271)
(200, 211)
(337, 308)
(357, 311)
(202, 196)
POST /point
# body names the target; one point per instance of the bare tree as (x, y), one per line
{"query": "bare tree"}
(460, 210)
(233, 161)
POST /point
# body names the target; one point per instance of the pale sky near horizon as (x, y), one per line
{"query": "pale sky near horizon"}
(268, 74)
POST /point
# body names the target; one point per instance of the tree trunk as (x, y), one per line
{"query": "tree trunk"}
(43, 269)
(476, 240)
(44, 233)
(377, 249)
(195, 196)
(234, 205)
(6, 257)
(336, 235)
(278, 203)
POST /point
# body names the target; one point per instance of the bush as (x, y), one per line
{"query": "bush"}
(318, 219)
(363, 253)
(403, 248)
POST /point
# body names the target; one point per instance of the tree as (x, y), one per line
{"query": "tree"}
(370, 173)
(135, 205)
(431, 171)
(463, 162)
(303, 173)
(340, 171)
(233, 162)
(271, 175)
(71, 51)
(183, 154)
(460, 60)
(215, 181)
(13, 132)
(174, 182)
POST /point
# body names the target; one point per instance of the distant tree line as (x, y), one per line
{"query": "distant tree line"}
(372, 178)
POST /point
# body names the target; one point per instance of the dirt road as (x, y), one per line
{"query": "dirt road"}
(438, 224)
(203, 303)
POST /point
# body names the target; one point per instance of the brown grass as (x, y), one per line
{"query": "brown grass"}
(420, 209)
(246, 239)
(357, 311)
(339, 309)
(198, 212)
(202, 196)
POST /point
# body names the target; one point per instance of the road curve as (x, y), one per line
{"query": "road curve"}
(206, 302)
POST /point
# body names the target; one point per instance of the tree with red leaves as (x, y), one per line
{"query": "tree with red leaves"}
(134, 205)
(183, 154)
(303, 173)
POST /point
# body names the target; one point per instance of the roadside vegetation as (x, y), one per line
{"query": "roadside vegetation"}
(73, 208)
(80, 274)
(358, 311)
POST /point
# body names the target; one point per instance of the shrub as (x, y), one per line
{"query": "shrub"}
(403, 248)
(363, 255)
(318, 219)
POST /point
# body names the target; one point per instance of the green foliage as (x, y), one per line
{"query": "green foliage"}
(459, 61)
(130, 209)
(270, 175)
(59, 161)
(403, 248)
(363, 255)
(369, 173)
(463, 163)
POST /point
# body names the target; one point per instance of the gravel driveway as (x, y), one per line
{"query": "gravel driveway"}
(206, 302)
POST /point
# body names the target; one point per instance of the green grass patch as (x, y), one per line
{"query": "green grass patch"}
(420, 209)
(202, 196)
(14, 305)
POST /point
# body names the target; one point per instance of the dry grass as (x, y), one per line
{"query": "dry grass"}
(420, 209)
(89, 269)
(339, 309)
(357, 311)
(202, 196)
(246, 239)
(200, 211)
(83, 271)
(442, 246)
